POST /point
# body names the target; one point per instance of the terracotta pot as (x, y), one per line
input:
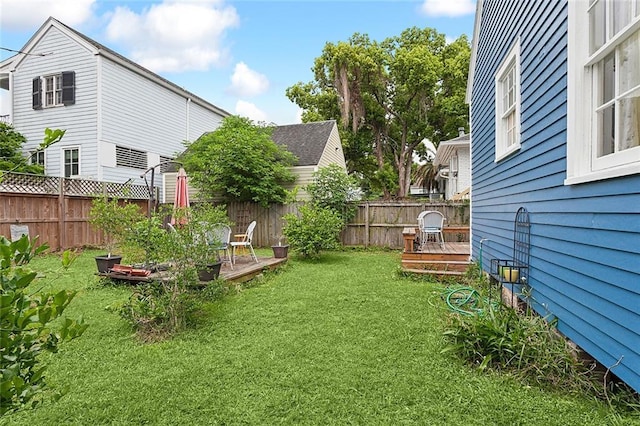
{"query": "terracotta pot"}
(280, 252)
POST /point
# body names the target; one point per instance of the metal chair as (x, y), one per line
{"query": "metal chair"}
(220, 236)
(430, 224)
(246, 242)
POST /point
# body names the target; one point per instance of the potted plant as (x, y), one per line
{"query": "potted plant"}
(280, 250)
(114, 220)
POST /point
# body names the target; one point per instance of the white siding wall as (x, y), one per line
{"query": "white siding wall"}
(304, 176)
(139, 113)
(79, 120)
(464, 169)
(333, 151)
(201, 120)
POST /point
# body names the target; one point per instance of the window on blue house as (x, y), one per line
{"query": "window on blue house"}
(507, 93)
(603, 111)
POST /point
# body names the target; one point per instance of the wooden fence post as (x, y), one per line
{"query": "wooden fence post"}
(366, 224)
(61, 215)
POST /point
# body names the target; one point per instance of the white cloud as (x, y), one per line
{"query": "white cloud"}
(25, 15)
(298, 118)
(246, 82)
(174, 36)
(449, 8)
(247, 109)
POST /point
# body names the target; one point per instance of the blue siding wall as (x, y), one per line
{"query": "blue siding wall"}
(585, 239)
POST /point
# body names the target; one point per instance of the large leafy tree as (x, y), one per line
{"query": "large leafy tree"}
(240, 162)
(392, 94)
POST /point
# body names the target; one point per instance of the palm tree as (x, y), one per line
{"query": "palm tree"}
(426, 176)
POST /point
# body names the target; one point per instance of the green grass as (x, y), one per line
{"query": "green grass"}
(343, 340)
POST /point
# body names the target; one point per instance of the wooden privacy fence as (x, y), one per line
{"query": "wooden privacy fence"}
(57, 209)
(377, 224)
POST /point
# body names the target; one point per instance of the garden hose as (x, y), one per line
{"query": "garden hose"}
(465, 300)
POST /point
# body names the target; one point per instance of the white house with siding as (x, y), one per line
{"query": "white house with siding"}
(453, 161)
(120, 118)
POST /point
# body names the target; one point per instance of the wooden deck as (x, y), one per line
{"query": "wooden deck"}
(434, 259)
(244, 270)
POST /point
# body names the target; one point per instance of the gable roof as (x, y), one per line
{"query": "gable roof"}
(447, 148)
(100, 49)
(306, 141)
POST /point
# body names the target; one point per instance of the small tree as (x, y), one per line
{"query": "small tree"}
(240, 162)
(315, 229)
(333, 188)
(115, 219)
(25, 324)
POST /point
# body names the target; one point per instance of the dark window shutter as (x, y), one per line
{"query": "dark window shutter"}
(37, 93)
(69, 87)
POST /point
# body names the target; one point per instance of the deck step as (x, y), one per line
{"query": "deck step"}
(437, 265)
(432, 272)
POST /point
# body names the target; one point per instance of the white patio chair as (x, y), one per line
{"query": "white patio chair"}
(246, 242)
(431, 224)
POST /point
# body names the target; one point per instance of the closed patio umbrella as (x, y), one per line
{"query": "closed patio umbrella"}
(181, 200)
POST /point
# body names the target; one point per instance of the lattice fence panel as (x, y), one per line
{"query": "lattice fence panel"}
(28, 184)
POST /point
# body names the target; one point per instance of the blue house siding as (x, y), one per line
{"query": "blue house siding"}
(585, 239)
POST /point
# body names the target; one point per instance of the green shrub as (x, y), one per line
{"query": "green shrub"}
(314, 230)
(25, 320)
(160, 309)
(333, 188)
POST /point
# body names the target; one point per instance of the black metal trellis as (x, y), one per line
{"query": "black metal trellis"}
(515, 271)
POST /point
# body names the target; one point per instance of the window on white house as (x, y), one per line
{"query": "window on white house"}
(37, 158)
(54, 90)
(128, 157)
(507, 93)
(604, 90)
(71, 162)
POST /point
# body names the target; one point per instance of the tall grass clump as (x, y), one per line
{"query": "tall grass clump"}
(528, 346)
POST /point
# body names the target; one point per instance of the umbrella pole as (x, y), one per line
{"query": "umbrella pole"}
(152, 201)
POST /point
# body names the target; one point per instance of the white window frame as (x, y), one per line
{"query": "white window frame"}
(583, 162)
(36, 156)
(511, 63)
(55, 93)
(63, 160)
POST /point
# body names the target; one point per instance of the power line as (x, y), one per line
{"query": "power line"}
(24, 53)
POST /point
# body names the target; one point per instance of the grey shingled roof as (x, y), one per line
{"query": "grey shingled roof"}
(306, 141)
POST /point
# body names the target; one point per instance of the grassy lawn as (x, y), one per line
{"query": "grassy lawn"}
(344, 340)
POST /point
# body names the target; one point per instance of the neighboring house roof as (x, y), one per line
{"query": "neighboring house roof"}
(447, 148)
(97, 48)
(306, 141)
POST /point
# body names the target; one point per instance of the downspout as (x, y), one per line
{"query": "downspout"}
(188, 120)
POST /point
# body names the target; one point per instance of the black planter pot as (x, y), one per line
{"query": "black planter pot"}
(106, 262)
(210, 272)
(280, 252)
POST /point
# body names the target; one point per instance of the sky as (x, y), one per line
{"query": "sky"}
(239, 55)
